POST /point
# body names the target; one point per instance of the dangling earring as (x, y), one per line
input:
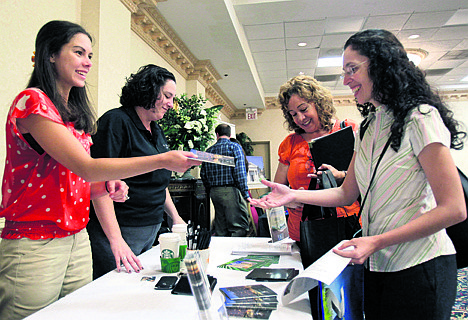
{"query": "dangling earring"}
(33, 59)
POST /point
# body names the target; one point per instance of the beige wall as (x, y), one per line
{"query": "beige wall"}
(270, 127)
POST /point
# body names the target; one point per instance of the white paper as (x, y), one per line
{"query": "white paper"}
(326, 270)
(263, 248)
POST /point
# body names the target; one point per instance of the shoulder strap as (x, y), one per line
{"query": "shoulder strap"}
(373, 176)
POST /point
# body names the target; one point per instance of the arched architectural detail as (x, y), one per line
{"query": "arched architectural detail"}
(148, 23)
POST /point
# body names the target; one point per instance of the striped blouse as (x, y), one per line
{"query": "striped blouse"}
(400, 191)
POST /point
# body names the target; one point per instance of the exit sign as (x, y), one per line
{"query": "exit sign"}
(251, 113)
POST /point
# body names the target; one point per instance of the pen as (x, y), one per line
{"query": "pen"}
(195, 242)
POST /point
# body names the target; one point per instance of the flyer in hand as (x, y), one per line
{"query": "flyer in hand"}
(214, 158)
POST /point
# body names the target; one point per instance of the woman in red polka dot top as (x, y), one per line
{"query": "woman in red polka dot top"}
(50, 177)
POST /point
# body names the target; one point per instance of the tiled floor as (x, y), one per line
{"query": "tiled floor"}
(460, 309)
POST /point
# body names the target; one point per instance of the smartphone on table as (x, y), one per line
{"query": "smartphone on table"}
(166, 283)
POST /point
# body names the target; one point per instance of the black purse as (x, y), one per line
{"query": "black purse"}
(322, 232)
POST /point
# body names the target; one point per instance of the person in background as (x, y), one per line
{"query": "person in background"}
(308, 111)
(243, 151)
(50, 177)
(227, 186)
(120, 232)
(410, 261)
(253, 216)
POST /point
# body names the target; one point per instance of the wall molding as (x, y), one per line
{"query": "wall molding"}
(348, 100)
(149, 24)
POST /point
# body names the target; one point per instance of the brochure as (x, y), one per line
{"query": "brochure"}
(214, 158)
(250, 262)
(249, 291)
(277, 224)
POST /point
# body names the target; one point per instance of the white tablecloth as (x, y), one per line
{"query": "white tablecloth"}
(124, 296)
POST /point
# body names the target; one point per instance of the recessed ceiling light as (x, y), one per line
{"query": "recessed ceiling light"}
(330, 62)
(302, 44)
(416, 55)
(413, 36)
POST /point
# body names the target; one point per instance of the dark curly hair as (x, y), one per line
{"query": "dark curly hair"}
(398, 83)
(143, 89)
(49, 41)
(310, 90)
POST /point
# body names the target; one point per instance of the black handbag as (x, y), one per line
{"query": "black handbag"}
(319, 235)
(458, 233)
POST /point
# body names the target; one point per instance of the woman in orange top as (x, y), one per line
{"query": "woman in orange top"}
(308, 109)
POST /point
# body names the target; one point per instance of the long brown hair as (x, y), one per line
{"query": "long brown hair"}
(311, 90)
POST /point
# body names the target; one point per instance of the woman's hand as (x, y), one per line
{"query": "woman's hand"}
(339, 175)
(118, 190)
(125, 257)
(179, 161)
(364, 247)
(280, 195)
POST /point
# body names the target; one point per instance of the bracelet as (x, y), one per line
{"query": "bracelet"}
(105, 184)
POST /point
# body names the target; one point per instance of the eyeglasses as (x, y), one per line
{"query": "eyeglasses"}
(349, 71)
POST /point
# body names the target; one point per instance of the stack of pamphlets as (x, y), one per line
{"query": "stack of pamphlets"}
(250, 262)
(251, 301)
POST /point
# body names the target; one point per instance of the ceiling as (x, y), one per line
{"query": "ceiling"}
(252, 44)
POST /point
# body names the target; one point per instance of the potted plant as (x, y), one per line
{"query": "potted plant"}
(189, 125)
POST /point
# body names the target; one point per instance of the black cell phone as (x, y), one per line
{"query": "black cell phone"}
(166, 283)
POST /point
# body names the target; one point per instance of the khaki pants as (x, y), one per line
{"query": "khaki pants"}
(231, 213)
(35, 273)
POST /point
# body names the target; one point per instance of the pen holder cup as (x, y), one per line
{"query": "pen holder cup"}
(170, 265)
(204, 257)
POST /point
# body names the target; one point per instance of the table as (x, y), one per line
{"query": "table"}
(124, 296)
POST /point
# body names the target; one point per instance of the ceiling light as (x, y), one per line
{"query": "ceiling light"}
(416, 55)
(302, 44)
(330, 62)
(465, 79)
(413, 36)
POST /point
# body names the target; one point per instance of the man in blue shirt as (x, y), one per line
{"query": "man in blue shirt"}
(227, 187)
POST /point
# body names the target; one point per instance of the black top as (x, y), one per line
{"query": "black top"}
(121, 134)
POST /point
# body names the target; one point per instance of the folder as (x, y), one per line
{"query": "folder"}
(335, 149)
